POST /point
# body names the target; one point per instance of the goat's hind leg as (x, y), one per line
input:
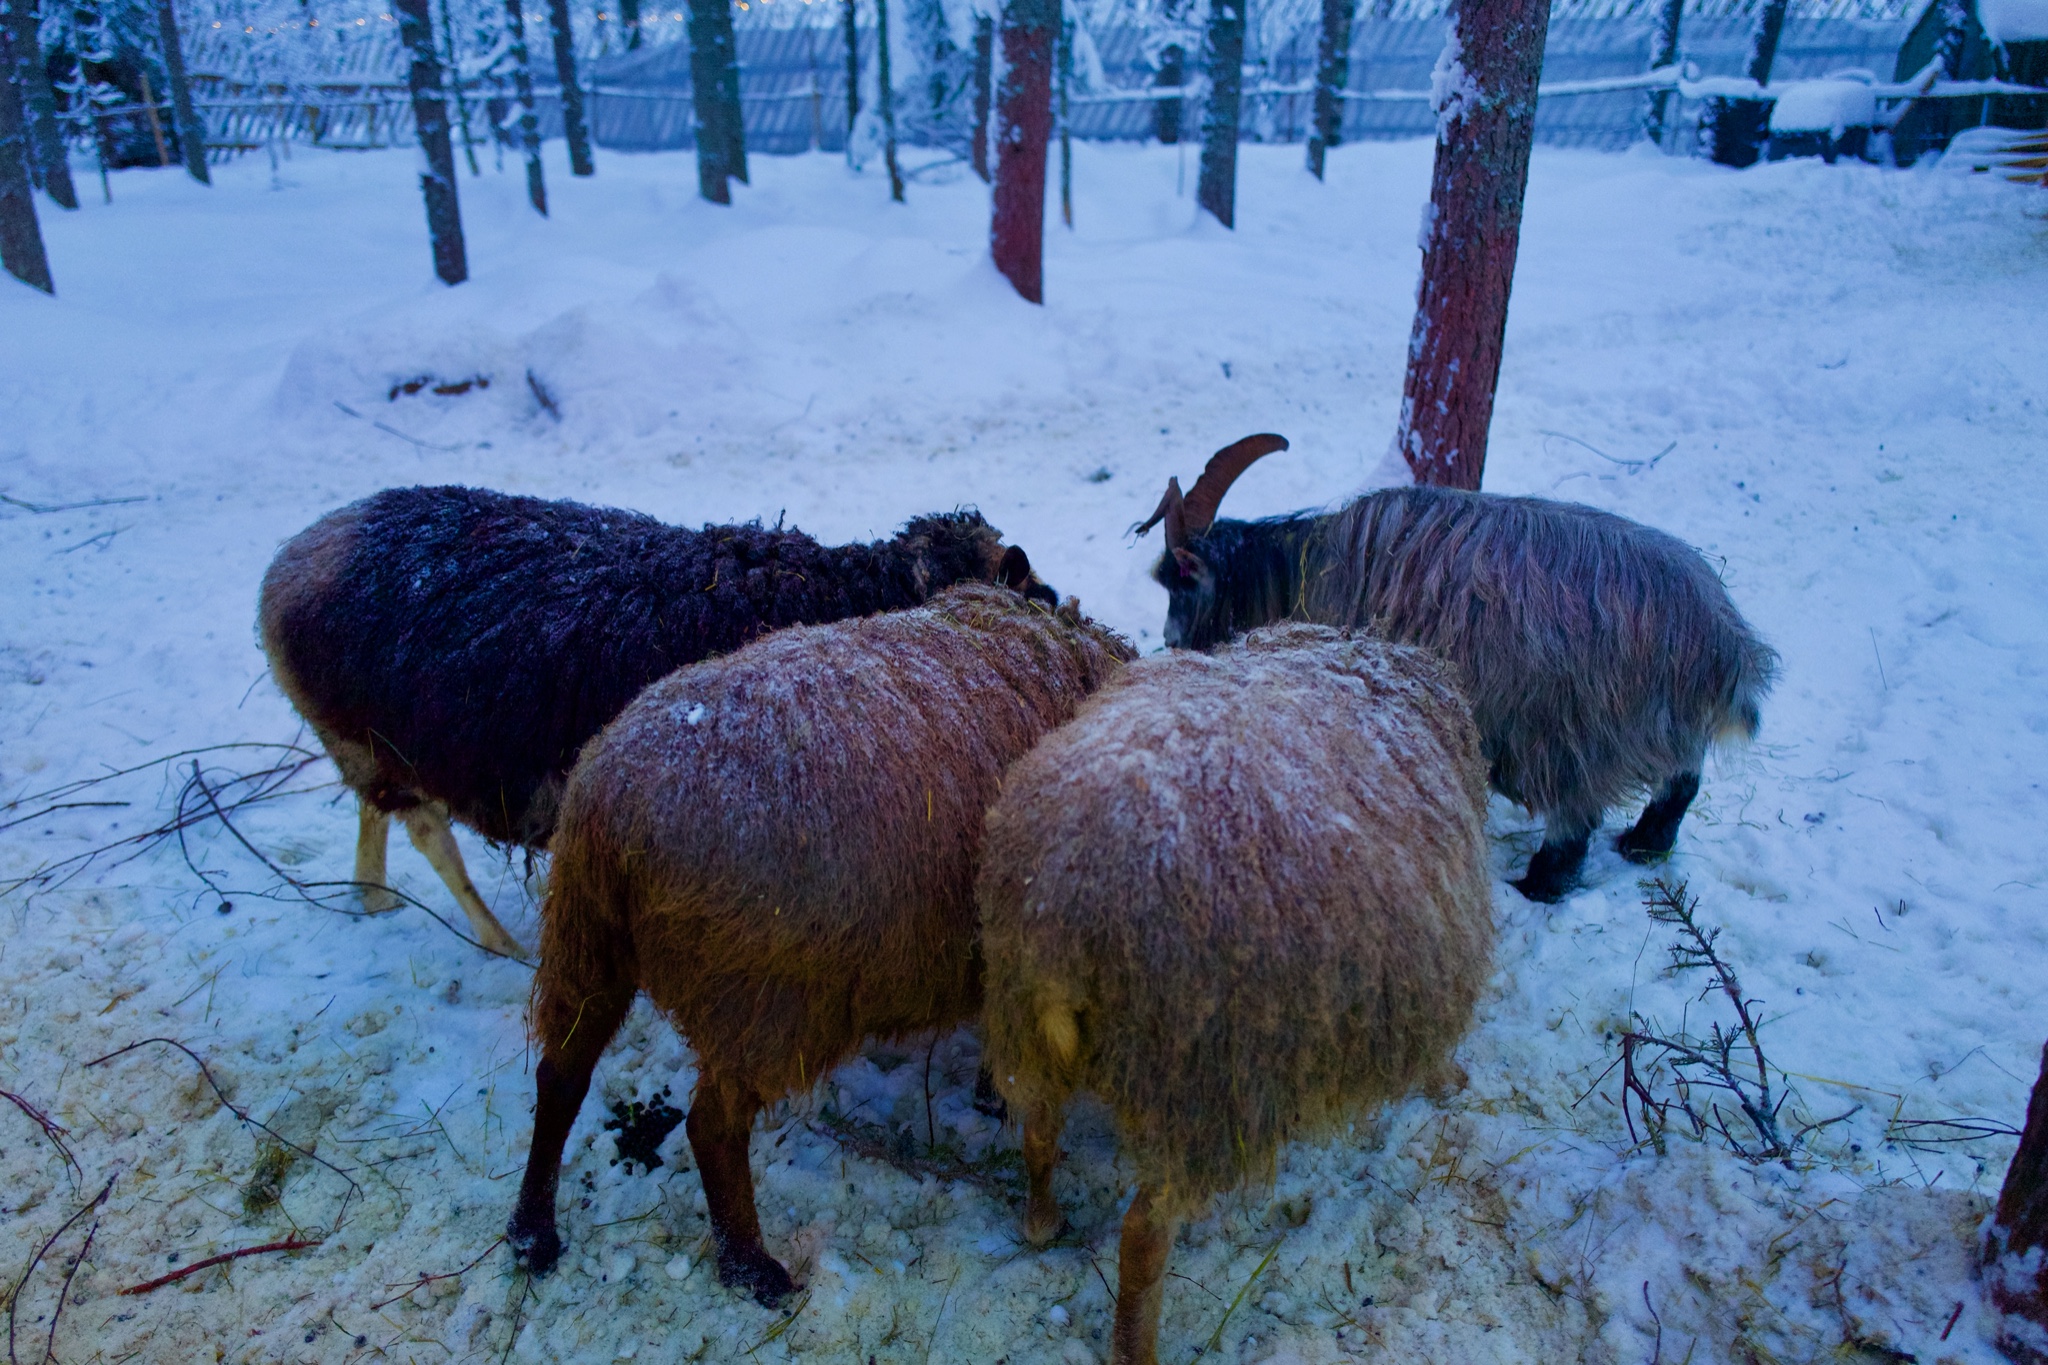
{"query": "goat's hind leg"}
(427, 825)
(1554, 871)
(720, 1125)
(373, 877)
(1650, 839)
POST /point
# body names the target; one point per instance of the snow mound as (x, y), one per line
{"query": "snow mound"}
(1824, 106)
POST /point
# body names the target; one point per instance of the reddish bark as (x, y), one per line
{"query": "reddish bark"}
(1484, 129)
(2016, 1252)
(1023, 127)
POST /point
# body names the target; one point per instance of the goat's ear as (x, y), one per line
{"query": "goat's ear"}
(1189, 564)
(1015, 570)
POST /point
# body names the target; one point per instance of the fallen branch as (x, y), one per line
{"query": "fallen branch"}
(288, 1244)
(45, 508)
(14, 1297)
(426, 1279)
(52, 1130)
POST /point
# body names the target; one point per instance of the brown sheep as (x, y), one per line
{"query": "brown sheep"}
(1240, 897)
(779, 847)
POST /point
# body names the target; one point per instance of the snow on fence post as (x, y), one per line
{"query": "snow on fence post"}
(529, 118)
(1333, 73)
(1736, 129)
(21, 237)
(1223, 54)
(49, 165)
(1485, 93)
(430, 114)
(573, 126)
(191, 132)
(2016, 1248)
(984, 79)
(1023, 127)
(1663, 53)
(712, 60)
(885, 100)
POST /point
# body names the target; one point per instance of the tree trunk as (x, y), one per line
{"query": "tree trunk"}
(430, 114)
(1065, 68)
(711, 57)
(1737, 129)
(454, 60)
(849, 23)
(1663, 53)
(2016, 1251)
(629, 20)
(729, 92)
(984, 80)
(573, 126)
(1023, 125)
(1333, 73)
(21, 237)
(885, 100)
(1216, 190)
(1172, 75)
(1485, 123)
(50, 165)
(191, 132)
(529, 119)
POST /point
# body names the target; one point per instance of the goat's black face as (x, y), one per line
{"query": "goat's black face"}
(1191, 618)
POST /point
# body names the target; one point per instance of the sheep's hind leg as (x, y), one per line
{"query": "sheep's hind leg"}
(721, 1122)
(1042, 1220)
(373, 878)
(1554, 870)
(1147, 1241)
(427, 825)
(1651, 837)
(560, 1082)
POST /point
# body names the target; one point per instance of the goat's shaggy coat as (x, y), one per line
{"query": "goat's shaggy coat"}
(779, 847)
(1602, 658)
(1238, 897)
(453, 648)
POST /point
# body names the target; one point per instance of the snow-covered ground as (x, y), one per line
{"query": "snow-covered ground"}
(1834, 380)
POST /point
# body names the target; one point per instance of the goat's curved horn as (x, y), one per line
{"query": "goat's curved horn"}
(1199, 508)
(1172, 511)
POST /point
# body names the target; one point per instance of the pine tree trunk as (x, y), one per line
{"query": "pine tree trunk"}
(711, 55)
(574, 128)
(529, 118)
(1333, 73)
(21, 237)
(454, 67)
(191, 132)
(50, 165)
(849, 25)
(1737, 129)
(1064, 66)
(1172, 75)
(1484, 129)
(984, 80)
(1216, 190)
(729, 91)
(1663, 53)
(2016, 1251)
(629, 20)
(430, 114)
(1023, 126)
(885, 100)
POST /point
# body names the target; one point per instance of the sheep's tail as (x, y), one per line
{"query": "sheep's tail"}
(586, 948)
(1756, 668)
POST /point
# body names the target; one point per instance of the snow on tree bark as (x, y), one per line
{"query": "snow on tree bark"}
(1663, 53)
(430, 114)
(1333, 73)
(191, 132)
(712, 61)
(885, 100)
(574, 127)
(1172, 75)
(21, 237)
(1023, 127)
(1485, 95)
(1223, 54)
(2016, 1248)
(984, 80)
(49, 166)
(529, 117)
(1737, 129)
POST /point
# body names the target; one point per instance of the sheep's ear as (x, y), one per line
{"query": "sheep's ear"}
(1015, 570)
(1189, 564)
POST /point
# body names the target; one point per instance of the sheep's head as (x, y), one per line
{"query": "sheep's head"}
(1192, 620)
(950, 547)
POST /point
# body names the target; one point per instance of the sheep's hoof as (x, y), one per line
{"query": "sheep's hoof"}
(1043, 1232)
(378, 900)
(756, 1272)
(536, 1248)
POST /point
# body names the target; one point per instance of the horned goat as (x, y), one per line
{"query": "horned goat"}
(779, 847)
(1238, 897)
(1602, 658)
(453, 648)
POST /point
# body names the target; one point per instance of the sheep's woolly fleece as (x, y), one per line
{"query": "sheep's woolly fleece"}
(1829, 378)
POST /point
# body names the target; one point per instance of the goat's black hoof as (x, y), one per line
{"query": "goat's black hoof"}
(1641, 852)
(1545, 888)
(537, 1247)
(753, 1271)
(987, 1099)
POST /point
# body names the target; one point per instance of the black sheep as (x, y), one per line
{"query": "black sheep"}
(453, 648)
